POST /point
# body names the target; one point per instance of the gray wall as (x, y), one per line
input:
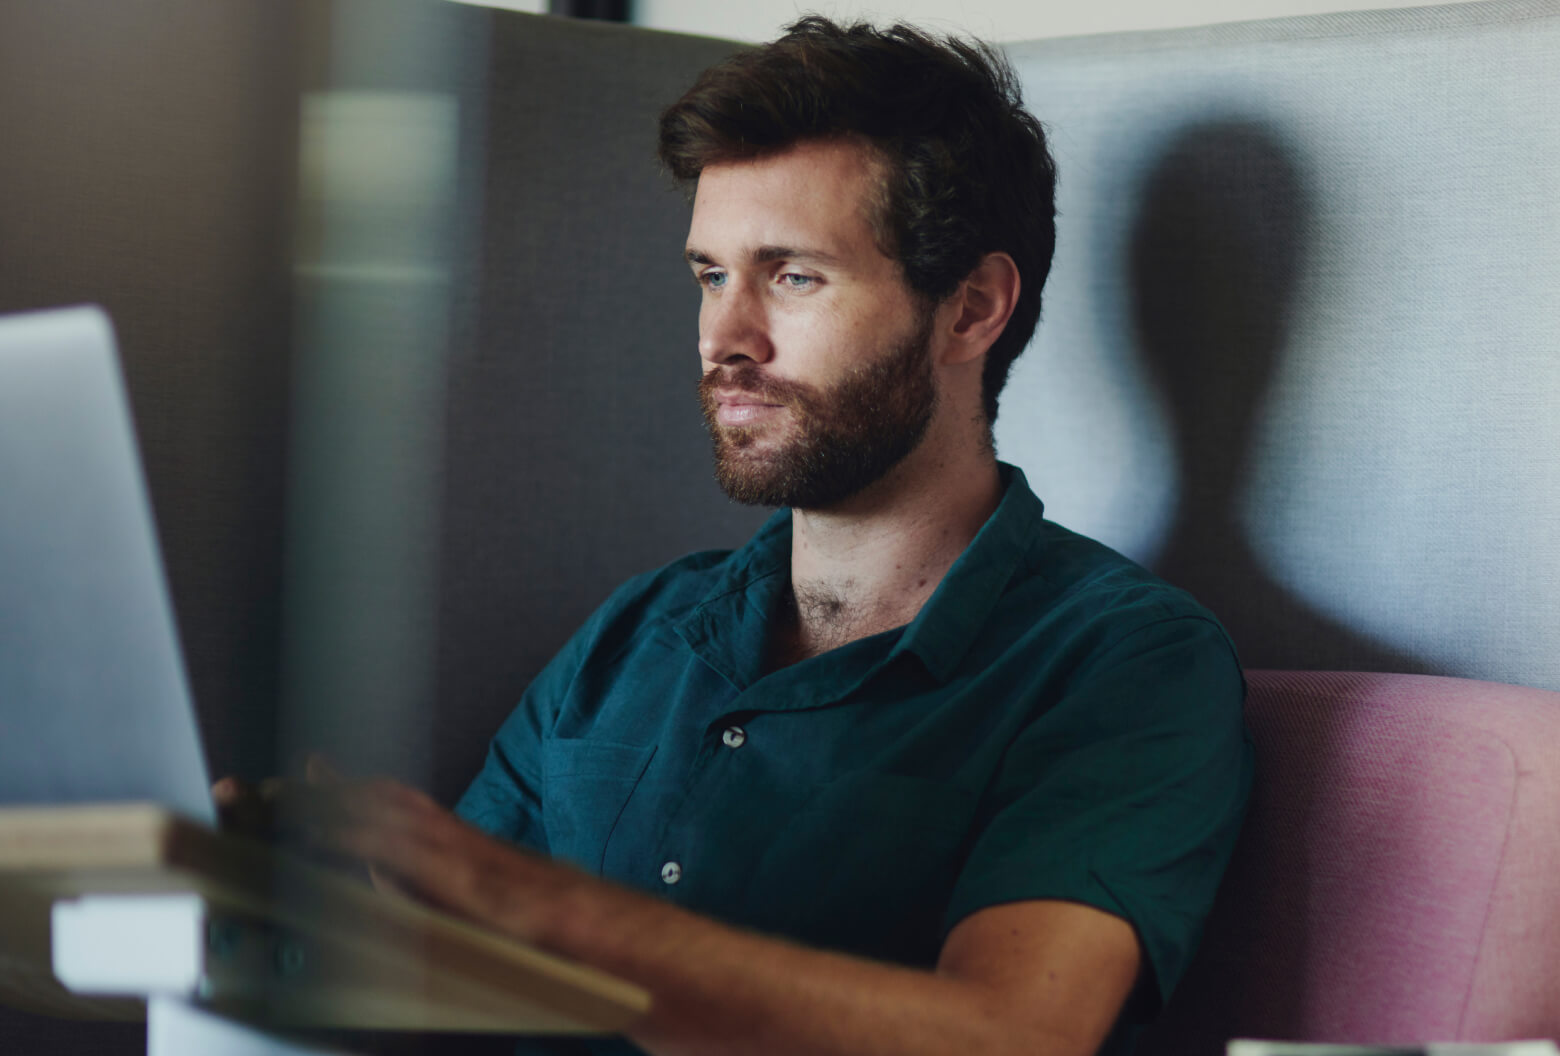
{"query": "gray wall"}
(1300, 348)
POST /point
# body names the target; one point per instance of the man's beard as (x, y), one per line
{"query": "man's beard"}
(844, 437)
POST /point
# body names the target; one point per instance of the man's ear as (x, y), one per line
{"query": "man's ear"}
(983, 302)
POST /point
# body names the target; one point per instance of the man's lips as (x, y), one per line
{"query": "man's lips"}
(743, 408)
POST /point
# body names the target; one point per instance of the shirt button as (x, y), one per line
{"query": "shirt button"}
(671, 872)
(734, 737)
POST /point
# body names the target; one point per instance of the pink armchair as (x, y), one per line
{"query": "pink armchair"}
(1398, 879)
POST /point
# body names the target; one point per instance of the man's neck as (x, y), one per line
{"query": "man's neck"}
(871, 563)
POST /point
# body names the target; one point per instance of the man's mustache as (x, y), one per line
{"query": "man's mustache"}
(749, 380)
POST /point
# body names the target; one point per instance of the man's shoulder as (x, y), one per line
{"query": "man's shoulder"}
(1059, 572)
(1091, 585)
(674, 589)
(678, 587)
(1075, 562)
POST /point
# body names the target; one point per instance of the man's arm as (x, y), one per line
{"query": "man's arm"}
(1032, 977)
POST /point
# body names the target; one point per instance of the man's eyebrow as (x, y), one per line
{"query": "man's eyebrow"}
(768, 255)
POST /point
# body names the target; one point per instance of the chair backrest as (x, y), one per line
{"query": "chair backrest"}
(1398, 878)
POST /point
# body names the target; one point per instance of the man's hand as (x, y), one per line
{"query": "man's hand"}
(413, 845)
(273, 808)
(278, 810)
(407, 842)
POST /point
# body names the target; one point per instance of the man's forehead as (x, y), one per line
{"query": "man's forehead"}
(812, 199)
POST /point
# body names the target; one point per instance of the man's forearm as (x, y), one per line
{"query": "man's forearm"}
(719, 989)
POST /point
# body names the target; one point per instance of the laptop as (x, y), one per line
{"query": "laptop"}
(95, 708)
(95, 705)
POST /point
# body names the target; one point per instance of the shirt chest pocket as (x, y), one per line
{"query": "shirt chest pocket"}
(868, 865)
(586, 783)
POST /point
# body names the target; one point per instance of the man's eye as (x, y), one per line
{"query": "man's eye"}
(712, 280)
(797, 281)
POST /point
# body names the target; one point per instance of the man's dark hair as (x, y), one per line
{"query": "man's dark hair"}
(967, 169)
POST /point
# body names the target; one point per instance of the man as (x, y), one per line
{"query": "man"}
(915, 770)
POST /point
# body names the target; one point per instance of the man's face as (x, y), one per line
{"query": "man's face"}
(817, 369)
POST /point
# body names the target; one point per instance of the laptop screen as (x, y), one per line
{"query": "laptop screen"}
(94, 702)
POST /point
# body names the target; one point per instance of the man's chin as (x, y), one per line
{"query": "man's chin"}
(750, 476)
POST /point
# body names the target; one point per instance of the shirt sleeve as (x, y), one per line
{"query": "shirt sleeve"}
(505, 798)
(1125, 794)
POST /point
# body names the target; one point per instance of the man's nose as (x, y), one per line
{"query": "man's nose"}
(732, 325)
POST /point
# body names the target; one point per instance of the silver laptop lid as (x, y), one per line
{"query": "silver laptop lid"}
(94, 703)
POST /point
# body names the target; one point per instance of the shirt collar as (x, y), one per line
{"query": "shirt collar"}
(729, 628)
(943, 631)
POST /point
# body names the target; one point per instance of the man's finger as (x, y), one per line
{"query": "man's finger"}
(228, 790)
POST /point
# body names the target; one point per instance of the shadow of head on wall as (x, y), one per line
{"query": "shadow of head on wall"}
(1215, 254)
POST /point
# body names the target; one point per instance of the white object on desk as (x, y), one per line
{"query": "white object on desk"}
(130, 944)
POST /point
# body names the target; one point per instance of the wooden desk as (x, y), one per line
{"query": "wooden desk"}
(289, 944)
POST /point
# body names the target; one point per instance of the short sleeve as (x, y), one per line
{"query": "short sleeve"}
(505, 798)
(1126, 793)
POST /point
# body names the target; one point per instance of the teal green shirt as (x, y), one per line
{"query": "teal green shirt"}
(1056, 723)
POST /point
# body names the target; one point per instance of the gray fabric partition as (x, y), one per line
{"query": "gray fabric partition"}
(575, 452)
(146, 164)
(150, 166)
(1301, 348)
